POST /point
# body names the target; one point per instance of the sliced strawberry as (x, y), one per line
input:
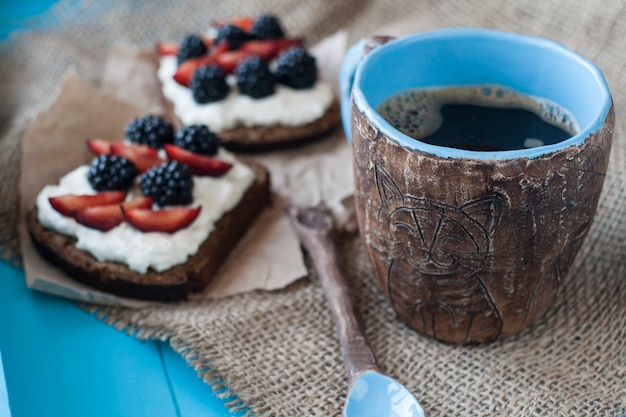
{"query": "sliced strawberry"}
(107, 217)
(100, 217)
(135, 148)
(266, 50)
(69, 203)
(167, 48)
(167, 220)
(143, 202)
(199, 164)
(142, 156)
(99, 146)
(244, 23)
(184, 72)
(103, 146)
(285, 43)
(144, 162)
(228, 61)
(269, 49)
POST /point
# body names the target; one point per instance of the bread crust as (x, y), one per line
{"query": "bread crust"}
(176, 283)
(260, 138)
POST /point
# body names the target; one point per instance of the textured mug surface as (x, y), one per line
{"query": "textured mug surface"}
(472, 246)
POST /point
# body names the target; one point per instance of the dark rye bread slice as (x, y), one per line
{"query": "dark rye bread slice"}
(173, 284)
(259, 138)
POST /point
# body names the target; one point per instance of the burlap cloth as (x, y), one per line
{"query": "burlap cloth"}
(278, 351)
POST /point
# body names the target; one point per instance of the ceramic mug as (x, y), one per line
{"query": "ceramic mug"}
(472, 246)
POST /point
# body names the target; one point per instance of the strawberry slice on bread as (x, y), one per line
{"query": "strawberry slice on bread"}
(141, 156)
(68, 204)
(201, 165)
(167, 220)
(108, 216)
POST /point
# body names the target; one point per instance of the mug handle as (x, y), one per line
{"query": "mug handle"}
(348, 70)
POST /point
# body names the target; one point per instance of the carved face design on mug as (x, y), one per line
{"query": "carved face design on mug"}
(449, 247)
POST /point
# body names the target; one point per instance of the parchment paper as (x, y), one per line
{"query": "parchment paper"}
(269, 256)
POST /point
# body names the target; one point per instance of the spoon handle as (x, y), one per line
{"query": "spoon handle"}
(315, 229)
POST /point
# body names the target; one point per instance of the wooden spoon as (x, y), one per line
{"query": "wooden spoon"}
(371, 393)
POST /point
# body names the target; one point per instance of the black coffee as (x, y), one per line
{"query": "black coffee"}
(485, 118)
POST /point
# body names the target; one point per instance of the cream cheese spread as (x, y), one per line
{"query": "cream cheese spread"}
(140, 250)
(287, 106)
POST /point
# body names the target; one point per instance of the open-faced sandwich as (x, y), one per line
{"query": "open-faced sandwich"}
(247, 81)
(151, 217)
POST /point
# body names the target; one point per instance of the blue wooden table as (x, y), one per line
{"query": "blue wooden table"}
(58, 360)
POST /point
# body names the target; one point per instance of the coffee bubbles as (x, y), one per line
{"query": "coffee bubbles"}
(480, 118)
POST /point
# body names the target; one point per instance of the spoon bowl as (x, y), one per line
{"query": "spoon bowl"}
(375, 394)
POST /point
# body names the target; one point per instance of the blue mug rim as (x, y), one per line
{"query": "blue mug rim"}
(404, 140)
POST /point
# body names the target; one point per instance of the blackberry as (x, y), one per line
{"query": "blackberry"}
(232, 34)
(150, 130)
(295, 68)
(198, 139)
(209, 84)
(110, 172)
(191, 46)
(267, 27)
(169, 184)
(254, 78)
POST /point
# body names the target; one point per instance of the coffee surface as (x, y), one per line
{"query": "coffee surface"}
(478, 118)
